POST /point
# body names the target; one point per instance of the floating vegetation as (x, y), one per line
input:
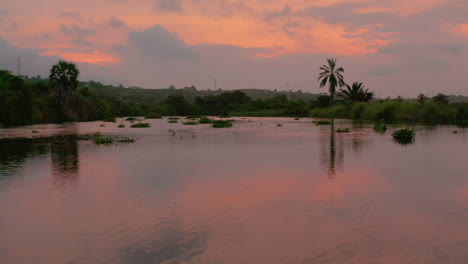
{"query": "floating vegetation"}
(99, 139)
(191, 123)
(154, 116)
(343, 130)
(380, 127)
(34, 131)
(297, 118)
(222, 123)
(140, 125)
(322, 122)
(131, 119)
(102, 125)
(174, 118)
(404, 136)
(121, 126)
(279, 125)
(205, 120)
(192, 117)
(172, 121)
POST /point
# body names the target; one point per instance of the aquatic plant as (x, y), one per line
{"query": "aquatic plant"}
(404, 136)
(205, 120)
(131, 119)
(140, 125)
(297, 118)
(380, 127)
(224, 116)
(121, 126)
(343, 130)
(34, 131)
(172, 121)
(99, 139)
(322, 122)
(108, 119)
(279, 125)
(222, 123)
(174, 118)
(190, 123)
(102, 125)
(193, 117)
(172, 131)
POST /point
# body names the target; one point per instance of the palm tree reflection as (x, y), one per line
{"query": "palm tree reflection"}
(332, 155)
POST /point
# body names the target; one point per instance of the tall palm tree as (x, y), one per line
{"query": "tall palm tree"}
(64, 80)
(356, 93)
(333, 76)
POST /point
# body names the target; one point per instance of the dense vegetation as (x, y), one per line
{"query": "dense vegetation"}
(62, 98)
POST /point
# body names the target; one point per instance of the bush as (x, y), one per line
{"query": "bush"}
(140, 125)
(205, 120)
(379, 127)
(404, 136)
(190, 123)
(222, 123)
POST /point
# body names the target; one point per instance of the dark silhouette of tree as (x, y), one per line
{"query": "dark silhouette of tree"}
(422, 99)
(440, 99)
(356, 93)
(64, 81)
(333, 76)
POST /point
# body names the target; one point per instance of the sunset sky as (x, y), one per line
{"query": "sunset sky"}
(396, 47)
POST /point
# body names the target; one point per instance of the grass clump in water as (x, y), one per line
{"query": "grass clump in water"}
(205, 120)
(99, 139)
(379, 127)
(279, 125)
(34, 131)
(404, 136)
(140, 125)
(121, 126)
(190, 123)
(322, 122)
(174, 118)
(172, 121)
(131, 119)
(222, 123)
(109, 119)
(343, 130)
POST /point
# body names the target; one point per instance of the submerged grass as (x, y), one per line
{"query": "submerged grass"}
(222, 123)
(343, 130)
(140, 125)
(404, 136)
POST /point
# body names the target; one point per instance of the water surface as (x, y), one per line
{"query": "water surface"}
(253, 193)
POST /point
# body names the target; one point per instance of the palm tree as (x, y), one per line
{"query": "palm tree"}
(356, 93)
(331, 75)
(64, 80)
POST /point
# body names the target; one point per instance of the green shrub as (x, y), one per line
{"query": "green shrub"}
(205, 120)
(190, 123)
(222, 123)
(140, 125)
(404, 136)
(379, 127)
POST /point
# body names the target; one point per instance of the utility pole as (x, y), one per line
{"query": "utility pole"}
(19, 67)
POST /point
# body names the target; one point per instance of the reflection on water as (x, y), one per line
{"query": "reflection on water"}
(64, 158)
(250, 194)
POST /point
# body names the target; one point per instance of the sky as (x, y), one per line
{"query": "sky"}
(395, 47)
